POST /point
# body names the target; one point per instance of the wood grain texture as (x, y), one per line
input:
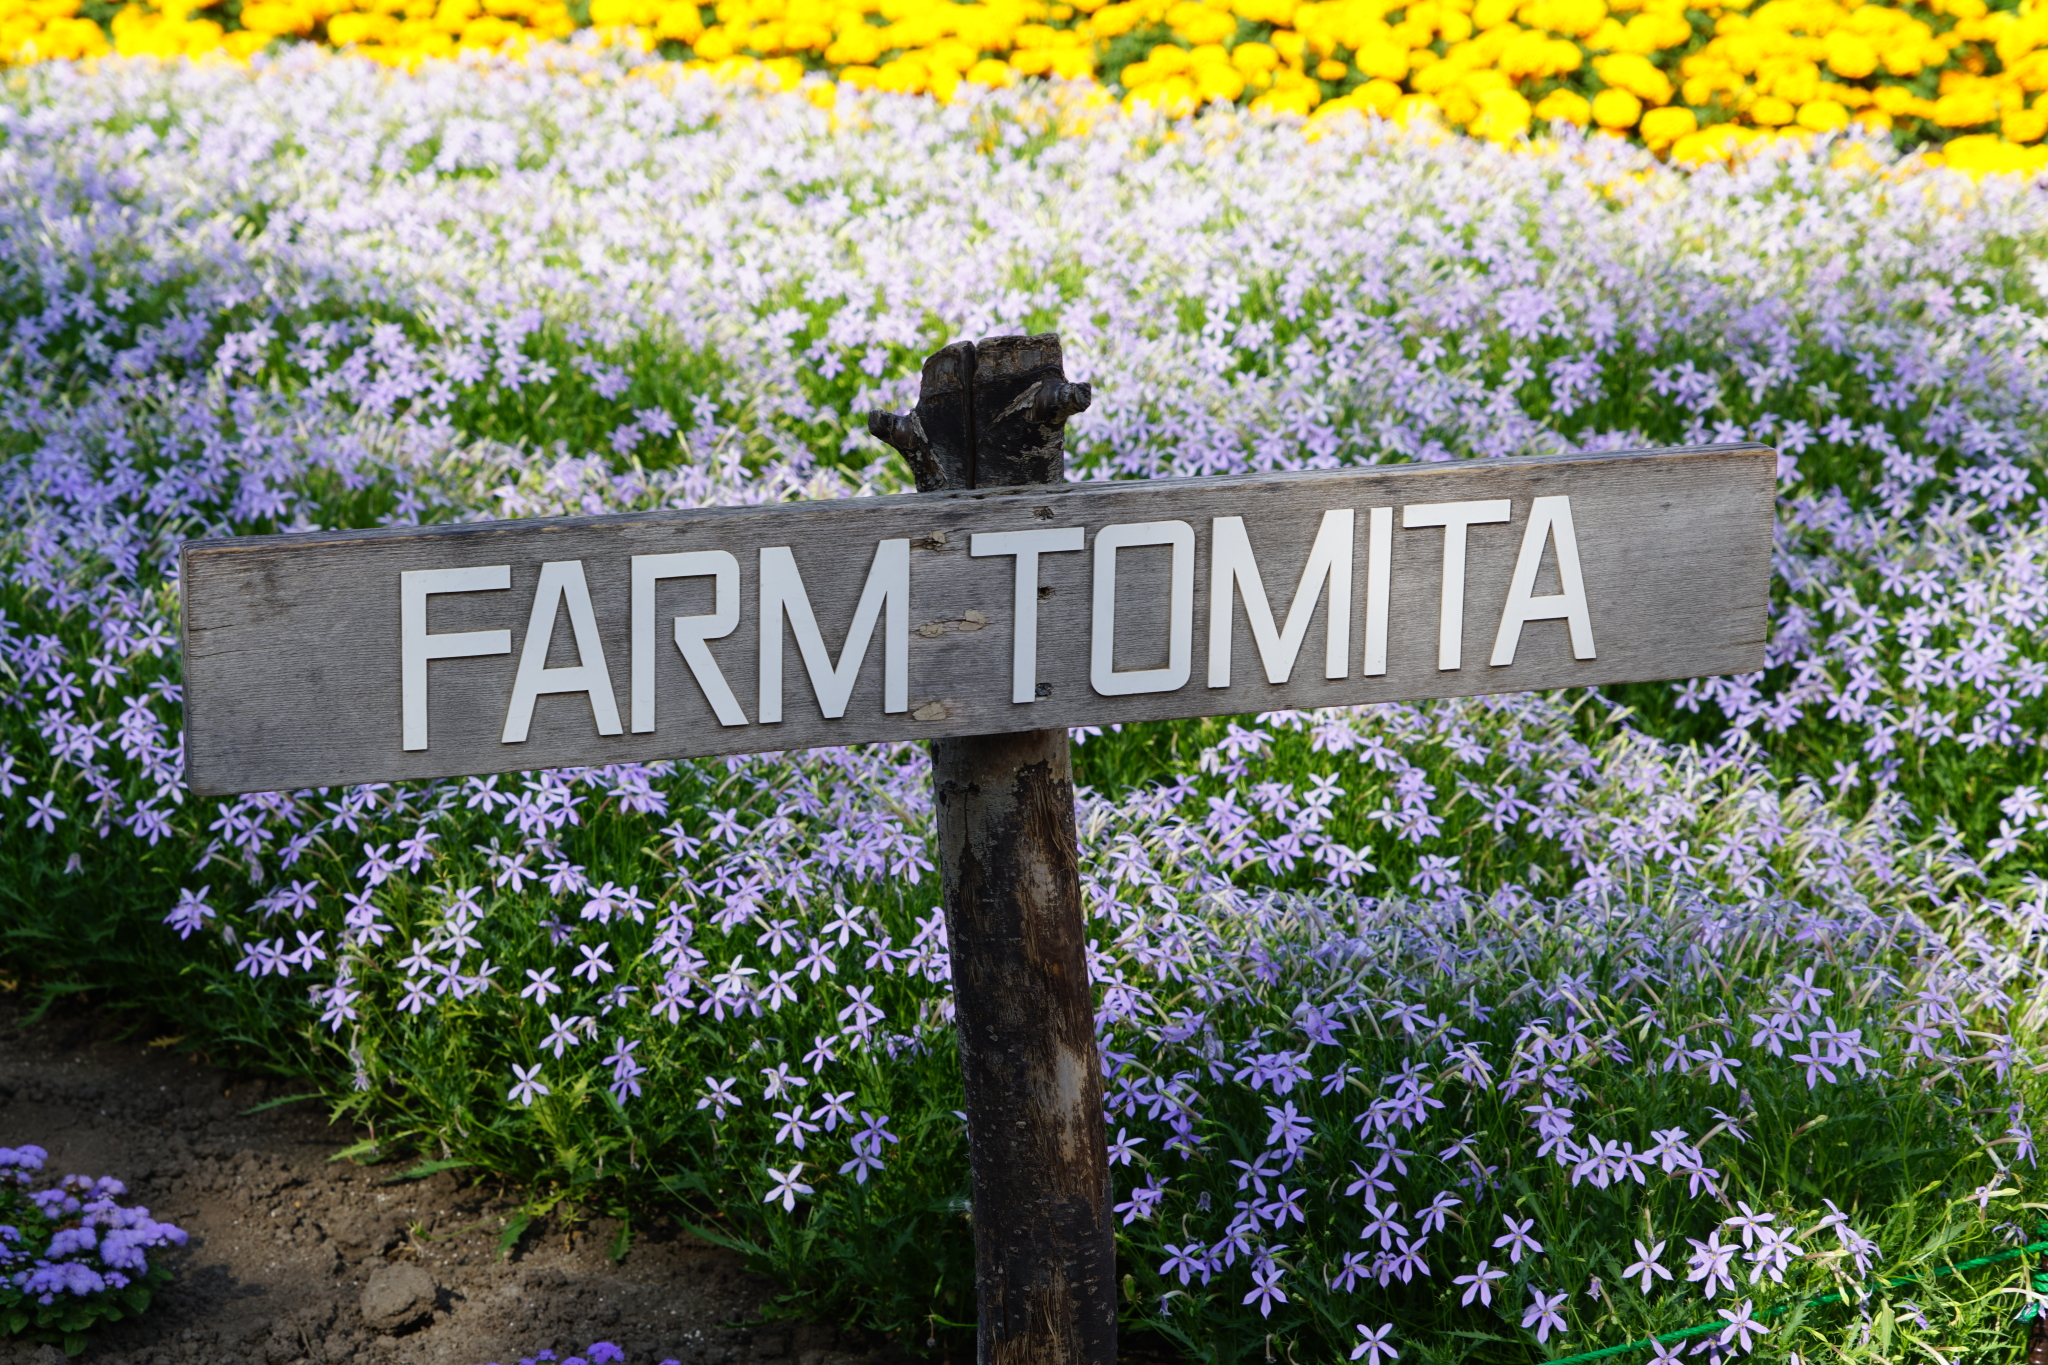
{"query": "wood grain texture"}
(1044, 1245)
(292, 642)
(1009, 866)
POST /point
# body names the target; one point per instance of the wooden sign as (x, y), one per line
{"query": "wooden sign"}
(354, 656)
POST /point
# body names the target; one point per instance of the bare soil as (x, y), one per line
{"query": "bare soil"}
(284, 1240)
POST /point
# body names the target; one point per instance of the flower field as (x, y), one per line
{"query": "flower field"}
(1502, 1029)
(1698, 82)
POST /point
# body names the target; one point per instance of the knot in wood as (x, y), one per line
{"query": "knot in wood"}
(1056, 402)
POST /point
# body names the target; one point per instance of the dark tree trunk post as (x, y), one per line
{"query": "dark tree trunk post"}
(994, 416)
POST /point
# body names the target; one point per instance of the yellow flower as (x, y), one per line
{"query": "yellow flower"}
(1567, 105)
(1617, 109)
(1575, 18)
(1717, 142)
(1112, 21)
(2025, 125)
(1200, 24)
(1633, 73)
(1647, 33)
(1254, 57)
(1823, 116)
(1662, 127)
(1966, 108)
(1850, 54)
(1772, 112)
(1984, 154)
(1503, 116)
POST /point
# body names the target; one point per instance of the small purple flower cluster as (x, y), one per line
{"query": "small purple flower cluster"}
(597, 1353)
(73, 1240)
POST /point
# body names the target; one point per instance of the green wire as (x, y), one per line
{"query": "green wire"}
(1666, 1338)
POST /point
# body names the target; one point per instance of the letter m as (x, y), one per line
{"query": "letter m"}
(1234, 573)
(782, 594)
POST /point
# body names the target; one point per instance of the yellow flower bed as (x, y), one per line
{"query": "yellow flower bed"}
(1696, 79)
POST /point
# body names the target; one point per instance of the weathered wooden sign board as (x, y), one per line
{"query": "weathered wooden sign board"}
(353, 656)
(987, 613)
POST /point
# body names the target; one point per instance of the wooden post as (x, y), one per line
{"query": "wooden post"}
(993, 416)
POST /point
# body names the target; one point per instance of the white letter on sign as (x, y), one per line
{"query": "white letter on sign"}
(1231, 566)
(1454, 517)
(415, 646)
(559, 579)
(782, 591)
(1027, 546)
(1379, 576)
(1549, 519)
(1180, 609)
(691, 631)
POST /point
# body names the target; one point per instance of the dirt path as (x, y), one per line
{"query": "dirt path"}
(285, 1241)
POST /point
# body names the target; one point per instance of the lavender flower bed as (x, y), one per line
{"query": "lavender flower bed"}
(1503, 1028)
(70, 1255)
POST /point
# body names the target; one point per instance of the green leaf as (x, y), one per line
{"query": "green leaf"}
(367, 1147)
(427, 1168)
(515, 1228)
(726, 1240)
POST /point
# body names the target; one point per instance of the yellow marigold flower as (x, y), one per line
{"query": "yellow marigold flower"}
(1647, 33)
(682, 22)
(1823, 116)
(1330, 69)
(1966, 108)
(1577, 18)
(906, 75)
(1200, 24)
(1616, 108)
(1850, 54)
(717, 44)
(271, 18)
(1458, 104)
(1793, 79)
(1114, 20)
(1662, 127)
(1174, 95)
(1717, 142)
(68, 39)
(2022, 36)
(344, 29)
(1633, 73)
(2022, 125)
(1383, 58)
(1606, 37)
(1772, 112)
(2030, 72)
(1568, 105)
(1903, 103)
(1382, 97)
(1296, 99)
(992, 73)
(1503, 116)
(1252, 57)
(1214, 82)
(1414, 109)
(1985, 154)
